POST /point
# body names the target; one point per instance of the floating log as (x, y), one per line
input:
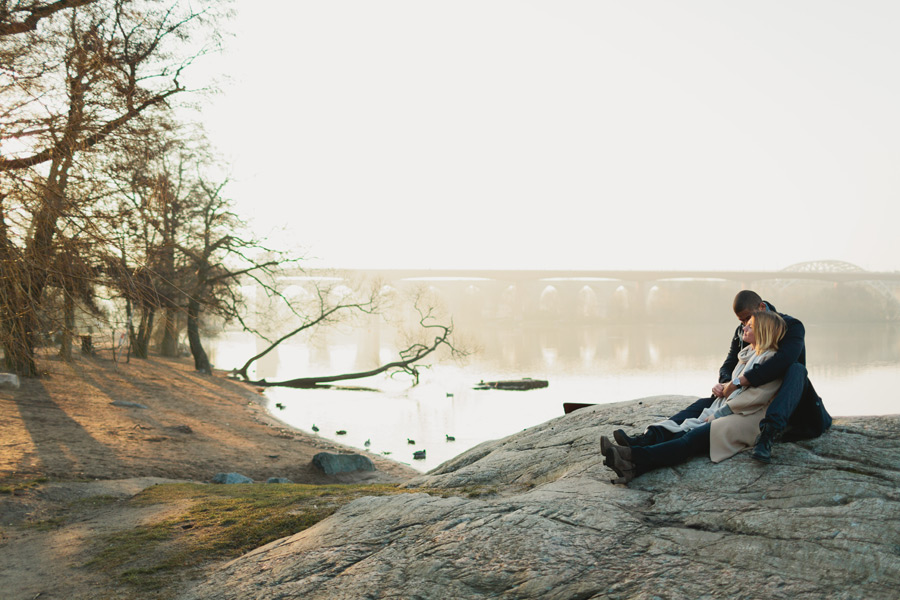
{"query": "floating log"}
(526, 383)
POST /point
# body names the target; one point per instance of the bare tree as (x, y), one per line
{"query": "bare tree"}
(220, 259)
(98, 71)
(153, 196)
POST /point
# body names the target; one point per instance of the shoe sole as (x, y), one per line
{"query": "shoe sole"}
(761, 459)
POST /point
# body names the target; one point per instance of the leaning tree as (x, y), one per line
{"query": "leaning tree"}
(221, 254)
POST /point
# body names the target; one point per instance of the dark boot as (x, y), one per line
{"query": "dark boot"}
(762, 450)
(623, 439)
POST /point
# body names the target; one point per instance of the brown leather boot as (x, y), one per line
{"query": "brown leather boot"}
(605, 445)
(618, 458)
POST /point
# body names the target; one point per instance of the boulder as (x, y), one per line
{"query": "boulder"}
(10, 380)
(534, 515)
(278, 480)
(231, 478)
(331, 464)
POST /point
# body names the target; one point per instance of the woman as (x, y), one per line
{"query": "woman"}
(728, 426)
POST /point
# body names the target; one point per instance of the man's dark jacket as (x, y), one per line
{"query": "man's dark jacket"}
(809, 419)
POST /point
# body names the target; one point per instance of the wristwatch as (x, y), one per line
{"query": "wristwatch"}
(737, 381)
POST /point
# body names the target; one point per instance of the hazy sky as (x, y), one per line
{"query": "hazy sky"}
(569, 134)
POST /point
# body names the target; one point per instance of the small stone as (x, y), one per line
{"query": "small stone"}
(231, 478)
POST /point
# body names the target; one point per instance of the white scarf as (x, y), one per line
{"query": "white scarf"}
(747, 359)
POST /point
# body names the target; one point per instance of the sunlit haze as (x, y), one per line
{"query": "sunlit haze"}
(568, 134)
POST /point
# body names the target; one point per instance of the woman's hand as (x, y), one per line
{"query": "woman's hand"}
(710, 418)
(718, 390)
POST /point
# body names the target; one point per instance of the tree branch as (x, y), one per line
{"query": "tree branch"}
(323, 317)
(35, 14)
(66, 146)
(408, 358)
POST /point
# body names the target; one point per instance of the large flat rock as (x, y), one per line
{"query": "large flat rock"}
(534, 515)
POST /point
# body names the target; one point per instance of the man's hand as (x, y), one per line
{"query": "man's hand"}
(730, 387)
(718, 390)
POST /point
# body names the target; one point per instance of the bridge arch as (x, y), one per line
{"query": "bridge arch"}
(823, 266)
(877, 287)
(549, 301)
(588, 303)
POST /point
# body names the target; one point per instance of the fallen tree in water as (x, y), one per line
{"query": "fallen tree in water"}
(326, 314)
(407, 363)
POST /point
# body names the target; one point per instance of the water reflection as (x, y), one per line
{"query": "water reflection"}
(571, 335)
(573, 349)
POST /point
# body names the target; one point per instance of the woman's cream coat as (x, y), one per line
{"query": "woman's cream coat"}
(730, 434)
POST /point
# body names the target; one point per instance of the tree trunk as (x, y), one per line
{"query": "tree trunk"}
(129, 325)
(140, 343)
(408, 359)
(16, 317)
(201, 360)
(18, 344)
(169, 345)
(312, 382)
(25, 276)
(65, 344)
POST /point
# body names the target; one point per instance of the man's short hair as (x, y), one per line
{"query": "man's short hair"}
(746, 300)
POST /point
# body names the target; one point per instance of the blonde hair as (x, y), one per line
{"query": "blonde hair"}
(768, 328)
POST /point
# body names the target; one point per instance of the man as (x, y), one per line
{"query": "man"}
(795, 413)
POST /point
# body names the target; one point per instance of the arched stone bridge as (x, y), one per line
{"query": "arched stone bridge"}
(604, 293)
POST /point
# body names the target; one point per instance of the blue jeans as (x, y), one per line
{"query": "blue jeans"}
(657, 435)
(672, 452)
(786, 400)
(693, 411)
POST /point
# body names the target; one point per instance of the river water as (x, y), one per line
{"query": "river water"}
(854, 366)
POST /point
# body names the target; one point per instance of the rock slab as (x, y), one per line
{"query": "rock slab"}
(535, 515)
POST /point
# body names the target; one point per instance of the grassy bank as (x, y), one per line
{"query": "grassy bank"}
(217, 522)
